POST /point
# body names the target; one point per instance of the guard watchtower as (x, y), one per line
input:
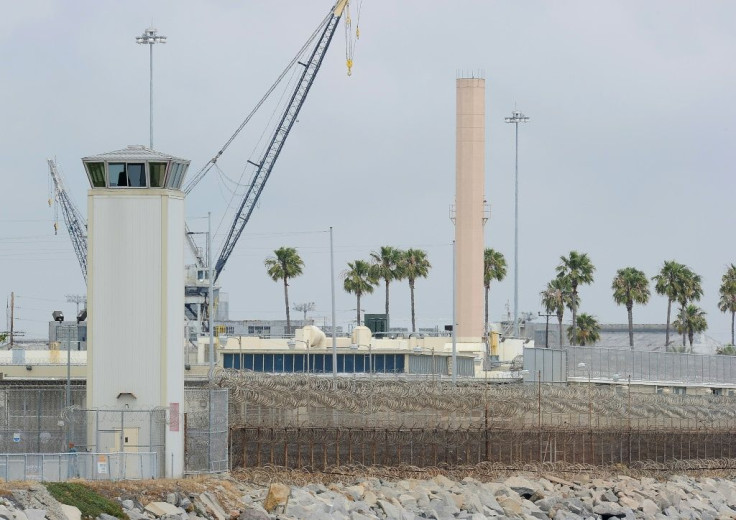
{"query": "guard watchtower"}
(135, 294)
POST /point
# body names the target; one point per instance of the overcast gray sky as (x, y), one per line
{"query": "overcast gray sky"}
(629, 154)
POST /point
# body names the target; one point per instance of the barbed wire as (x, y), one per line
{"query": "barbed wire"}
(405, 402)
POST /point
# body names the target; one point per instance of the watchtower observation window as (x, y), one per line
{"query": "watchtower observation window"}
(127, 175)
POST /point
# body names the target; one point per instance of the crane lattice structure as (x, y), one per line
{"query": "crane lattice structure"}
(75, 223)
(323, 35)
(289, 116)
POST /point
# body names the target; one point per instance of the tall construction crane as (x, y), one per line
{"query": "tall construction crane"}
(264, 166)
(75, 223)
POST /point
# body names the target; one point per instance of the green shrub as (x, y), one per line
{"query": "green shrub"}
(90, 503)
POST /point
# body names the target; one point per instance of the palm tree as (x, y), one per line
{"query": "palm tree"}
(556, 297)
(387, 265)
(494, 268)
(691, 321)
(588, 330)
(414, 264)
(578, 269)
(689, 289)
(630, 286)
(666, 283)
(284, 265)
(727, 350)
(727, 302)
(359, 279)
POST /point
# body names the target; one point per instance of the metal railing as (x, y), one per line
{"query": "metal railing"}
(58, 467)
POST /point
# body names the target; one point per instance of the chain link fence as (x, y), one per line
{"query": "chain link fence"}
(206, 427)
(650, 366)
(34, 419)
(301, 421)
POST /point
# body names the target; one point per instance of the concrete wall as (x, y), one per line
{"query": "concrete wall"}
(469, 204)
(135, 296)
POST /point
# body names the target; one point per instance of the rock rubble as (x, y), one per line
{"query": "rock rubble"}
(516, 497)
(370, 498)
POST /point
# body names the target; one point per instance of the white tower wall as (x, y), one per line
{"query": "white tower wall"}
(135, 296)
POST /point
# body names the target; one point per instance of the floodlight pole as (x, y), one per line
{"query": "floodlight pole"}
(454, 318)
(150, 37)
(516, 118)
(210, 296)
(334, 334)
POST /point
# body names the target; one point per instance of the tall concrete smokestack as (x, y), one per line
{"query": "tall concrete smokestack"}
(469, 207)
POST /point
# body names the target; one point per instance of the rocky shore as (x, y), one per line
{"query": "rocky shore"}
(515, 497)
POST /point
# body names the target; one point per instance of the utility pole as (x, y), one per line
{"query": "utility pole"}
(210, 295)
(12, 318)
(76, 298)
(334, 329)
(546, 328)
(454, 318)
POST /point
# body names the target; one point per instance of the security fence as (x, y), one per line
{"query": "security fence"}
(298, 421)
(321, 448)
(206, 427)
(51, 467)
(650, 366)
(34, 421)
(31, 418)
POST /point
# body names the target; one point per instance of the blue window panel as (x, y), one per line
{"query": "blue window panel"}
(227, 361)
(361, 363)
(340, 363)
(389, 364)
(288, 362)
(258, 362)
(349, 363)
(379, 363)
(298, 363)
(328, 362)
(236, 361)
(278, 363)
(400, 362)
(248, 361)
(318, 363)
(268, 362)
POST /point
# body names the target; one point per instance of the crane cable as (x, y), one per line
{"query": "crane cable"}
(206, 168)
(349, 40)
(52, 198)
(277, 109)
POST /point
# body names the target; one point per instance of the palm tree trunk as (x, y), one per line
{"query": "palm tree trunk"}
(574, 314)
(286, 299)
(733, 313)
(559, 321)
(413, 322)
(684, 330)
(485, 323)
(690, 336)
(358, 310)
(386, 280)
(629, 308)
(667, 330)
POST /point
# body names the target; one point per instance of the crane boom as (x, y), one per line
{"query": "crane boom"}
(75, 223)
(265, 166)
